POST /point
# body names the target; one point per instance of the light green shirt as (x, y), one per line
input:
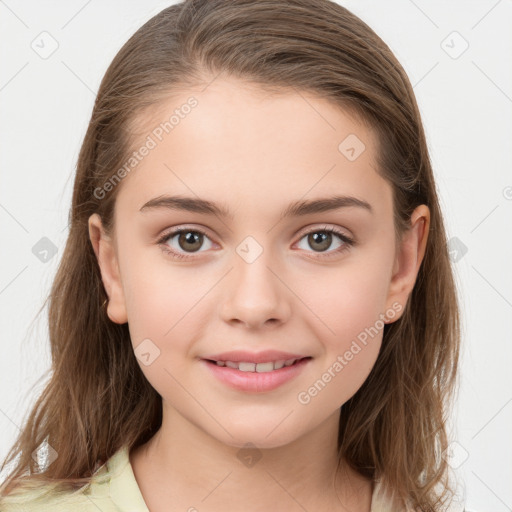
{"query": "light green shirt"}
(121, 493)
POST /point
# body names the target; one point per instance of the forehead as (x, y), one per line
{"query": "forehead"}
(246, 145)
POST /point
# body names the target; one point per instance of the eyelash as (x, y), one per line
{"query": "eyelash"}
(347, 241)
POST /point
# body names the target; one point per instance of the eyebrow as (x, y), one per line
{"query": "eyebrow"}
(295, 209)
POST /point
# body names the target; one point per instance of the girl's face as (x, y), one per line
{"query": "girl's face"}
(267, 275)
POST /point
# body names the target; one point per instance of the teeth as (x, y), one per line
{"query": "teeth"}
(250, 367)
(263, 367)
(256, 367)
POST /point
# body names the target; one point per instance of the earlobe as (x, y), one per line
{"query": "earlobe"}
(105, 252)
(409, 256)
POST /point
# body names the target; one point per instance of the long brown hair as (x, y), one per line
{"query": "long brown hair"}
(98, 399)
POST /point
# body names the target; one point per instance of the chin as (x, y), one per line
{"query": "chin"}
(265, 435)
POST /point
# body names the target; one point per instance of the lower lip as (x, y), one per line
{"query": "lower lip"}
(254, 381)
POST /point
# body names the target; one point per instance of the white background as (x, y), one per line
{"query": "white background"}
(466, 104)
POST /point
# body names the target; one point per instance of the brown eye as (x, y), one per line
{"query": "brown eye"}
(182, 242)
(190, 240)
(320, 240)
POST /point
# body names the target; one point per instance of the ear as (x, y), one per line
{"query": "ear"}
(107, 260)
(409, 256)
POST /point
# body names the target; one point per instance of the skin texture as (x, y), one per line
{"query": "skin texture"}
(254, 153)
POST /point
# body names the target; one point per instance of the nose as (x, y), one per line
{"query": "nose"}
(254, 294)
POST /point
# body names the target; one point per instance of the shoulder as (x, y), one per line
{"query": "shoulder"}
(96, 496)
(44, 500)
(384, 500)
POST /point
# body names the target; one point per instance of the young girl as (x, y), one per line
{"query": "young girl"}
(302, 353)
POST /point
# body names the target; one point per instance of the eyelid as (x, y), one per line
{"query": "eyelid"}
(178, 229)
(325, 227)
(184, 227)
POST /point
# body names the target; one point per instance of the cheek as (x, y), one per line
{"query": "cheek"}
(350, 298)
(165, 305)
(351, 336)
(350, 302)
(162, 316)
(150, 296)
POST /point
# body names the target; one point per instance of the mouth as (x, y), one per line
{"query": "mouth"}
(256, 377)
(264, 367)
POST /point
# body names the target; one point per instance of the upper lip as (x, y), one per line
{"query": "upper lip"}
(265, 356)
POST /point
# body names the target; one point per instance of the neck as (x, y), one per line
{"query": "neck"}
(185, 465)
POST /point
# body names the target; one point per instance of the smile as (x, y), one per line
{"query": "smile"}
(256, 377)
(257, 367)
